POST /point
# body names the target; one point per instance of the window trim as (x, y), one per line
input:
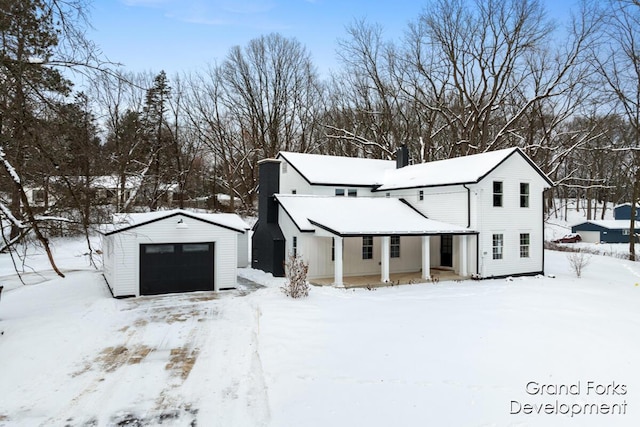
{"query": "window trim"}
(367, 247)
(525, 247)
(498, 194)
(524, 196)
(394, 247)
(497, 246)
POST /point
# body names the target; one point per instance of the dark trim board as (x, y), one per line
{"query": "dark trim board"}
(504, 276)
(171, 216)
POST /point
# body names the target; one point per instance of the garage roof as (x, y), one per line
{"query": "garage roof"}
(122, 222)
(351, 216)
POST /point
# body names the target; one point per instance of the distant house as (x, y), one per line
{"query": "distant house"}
(478, 215)
(623, 211)
(606, 231)
(173, 251)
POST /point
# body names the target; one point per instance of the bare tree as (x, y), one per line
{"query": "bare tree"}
(618, 63)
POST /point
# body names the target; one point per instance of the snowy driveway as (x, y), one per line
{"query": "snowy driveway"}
(88, 359)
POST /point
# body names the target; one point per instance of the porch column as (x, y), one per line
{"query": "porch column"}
(463, 255)
(426, 258)
(384, 262)
(337, 264)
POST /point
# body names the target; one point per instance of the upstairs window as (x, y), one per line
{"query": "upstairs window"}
(339, 191)
(352, 192)
(367, 247)
(497, 193)
(295, 246)
(294, 191)
(524, 194)
(421, 195)
(395, 246)
(498, 246)
(284, 167)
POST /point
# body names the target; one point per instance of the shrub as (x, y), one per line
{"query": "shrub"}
(578, 262)
(296, 272)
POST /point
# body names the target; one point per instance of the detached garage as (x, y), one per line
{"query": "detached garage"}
(173, 251)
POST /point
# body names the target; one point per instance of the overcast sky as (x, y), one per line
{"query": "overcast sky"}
(186, 35)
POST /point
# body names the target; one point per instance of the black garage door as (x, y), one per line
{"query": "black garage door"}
(176, 267)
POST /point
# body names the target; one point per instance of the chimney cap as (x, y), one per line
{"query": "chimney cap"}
(269, 160)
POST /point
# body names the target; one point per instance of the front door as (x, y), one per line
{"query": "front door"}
(446, 251)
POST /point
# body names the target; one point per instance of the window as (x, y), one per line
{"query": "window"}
(387, 195)
(421, 195)
(498, 244)
(524, 245)
(159, 249)
(524, 194)
(38, 196)
(497, 193)
(352, 192)
(294, 191)
(625, 232)
(284, 167)
(295, 246)
(195, 247)
(395, 246)
(339, 191)
(367, 247)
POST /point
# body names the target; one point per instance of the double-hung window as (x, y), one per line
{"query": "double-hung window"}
(395, 247)
(367, 247)
(497, 193)
(498, 246)
(524, 245)
(524, 194)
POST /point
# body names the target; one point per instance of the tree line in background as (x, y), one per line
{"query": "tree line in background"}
(468, 77)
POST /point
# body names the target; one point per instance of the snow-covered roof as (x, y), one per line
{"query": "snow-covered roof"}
(611, 224)
(383, 174)
(336, 170)
(348, 216)
(457, 170)
(127, 221)
(113, 181)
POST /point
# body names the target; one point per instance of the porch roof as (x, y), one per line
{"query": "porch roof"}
(353, 216)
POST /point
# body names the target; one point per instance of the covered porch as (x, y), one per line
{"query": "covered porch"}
(373, 281)
(417, 258)
(348, 237)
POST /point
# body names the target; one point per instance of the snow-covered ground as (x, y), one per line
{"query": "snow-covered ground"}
(470, 353)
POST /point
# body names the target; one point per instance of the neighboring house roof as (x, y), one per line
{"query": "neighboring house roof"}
(319, 169)
(383, 174)
(352, 216)
(128, 221)
(611, 224)
(455, 171)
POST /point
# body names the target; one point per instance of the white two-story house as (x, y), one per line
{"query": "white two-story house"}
(479, 216)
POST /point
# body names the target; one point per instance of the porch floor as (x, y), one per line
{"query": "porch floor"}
(373, 281)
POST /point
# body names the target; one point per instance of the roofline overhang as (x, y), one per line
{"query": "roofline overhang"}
(184, 213)
(388, 233)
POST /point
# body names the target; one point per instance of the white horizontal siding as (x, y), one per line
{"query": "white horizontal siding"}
(510, 220)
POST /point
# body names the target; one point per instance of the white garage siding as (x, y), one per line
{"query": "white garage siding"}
(122, 262)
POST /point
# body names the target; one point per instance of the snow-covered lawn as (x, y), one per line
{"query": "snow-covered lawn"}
(448, 354)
